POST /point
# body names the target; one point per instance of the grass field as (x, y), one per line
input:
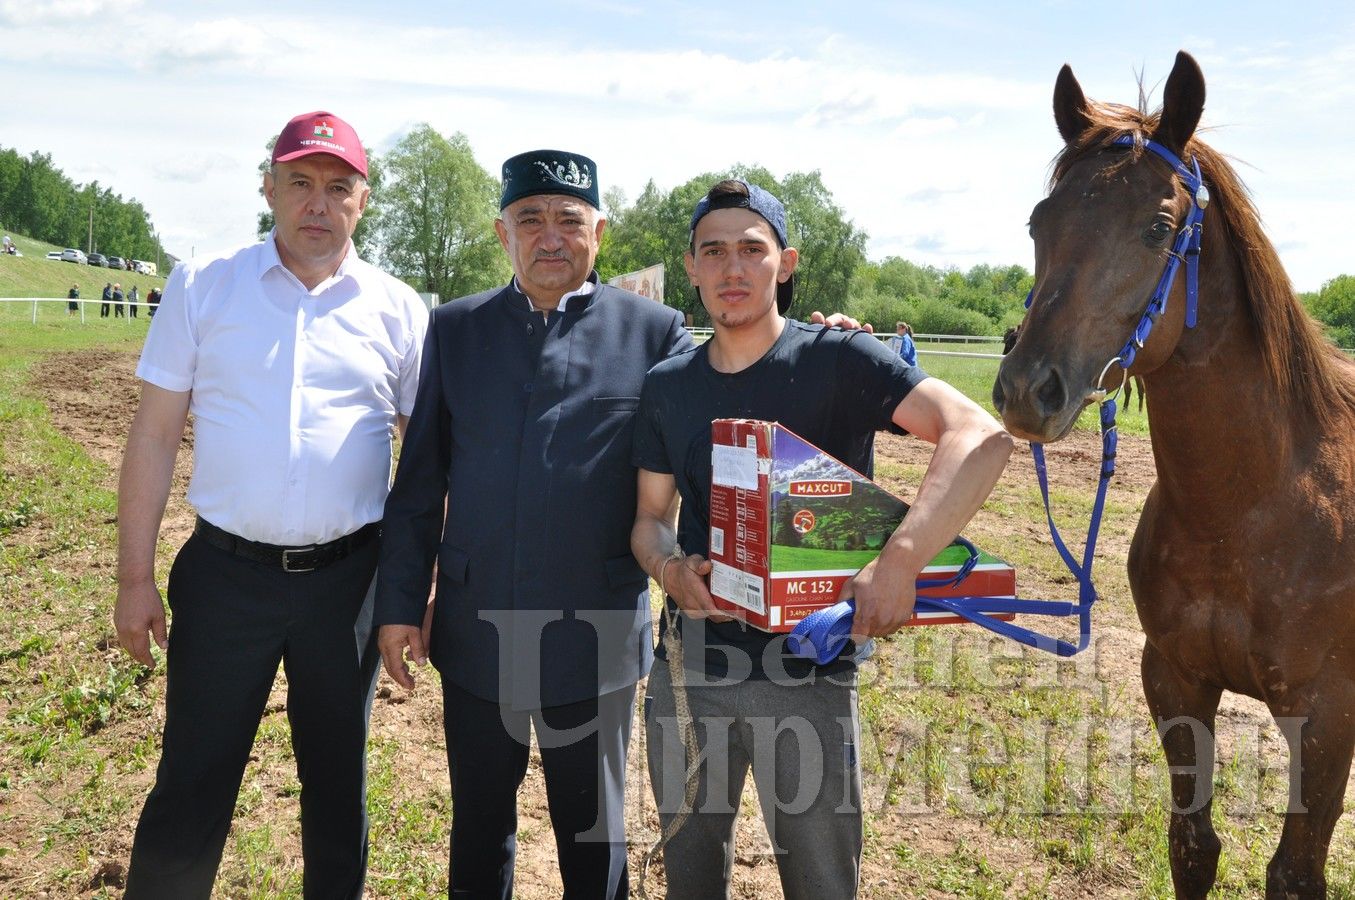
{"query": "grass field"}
(989, 771)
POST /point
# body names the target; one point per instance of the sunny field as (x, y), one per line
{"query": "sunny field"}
(990, 771)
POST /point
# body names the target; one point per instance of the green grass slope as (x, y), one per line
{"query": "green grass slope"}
(34, 275)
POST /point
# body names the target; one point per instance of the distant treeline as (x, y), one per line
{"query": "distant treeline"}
(430, 221)
(834, 274)
(38, 199)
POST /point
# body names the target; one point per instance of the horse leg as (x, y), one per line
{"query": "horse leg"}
(1321, 738)
(1184, 711)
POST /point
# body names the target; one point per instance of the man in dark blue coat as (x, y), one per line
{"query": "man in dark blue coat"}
(522, 428)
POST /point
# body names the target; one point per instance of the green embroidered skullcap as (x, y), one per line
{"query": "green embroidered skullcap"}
(550, 172)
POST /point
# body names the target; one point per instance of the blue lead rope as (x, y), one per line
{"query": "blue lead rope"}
(824, 634)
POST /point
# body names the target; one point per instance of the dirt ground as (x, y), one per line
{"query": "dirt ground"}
(77, 388)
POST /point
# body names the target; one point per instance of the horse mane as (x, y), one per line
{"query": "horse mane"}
(1309, 370)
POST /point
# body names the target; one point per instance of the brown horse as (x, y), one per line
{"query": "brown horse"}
(1243, 564)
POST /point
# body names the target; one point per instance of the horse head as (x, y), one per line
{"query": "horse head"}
(1103, 237)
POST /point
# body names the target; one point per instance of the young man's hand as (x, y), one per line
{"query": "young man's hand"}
(685, 579)
(884, 599)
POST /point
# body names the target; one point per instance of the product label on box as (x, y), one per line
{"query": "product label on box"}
(737, 587)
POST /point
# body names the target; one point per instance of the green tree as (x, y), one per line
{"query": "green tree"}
(437, 228)
(11, 171)
(1334, 306)
(831, 246)
(38, 199)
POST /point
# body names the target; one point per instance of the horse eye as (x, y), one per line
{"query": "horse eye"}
(1157, 233)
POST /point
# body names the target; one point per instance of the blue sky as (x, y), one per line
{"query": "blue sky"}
(929, 121)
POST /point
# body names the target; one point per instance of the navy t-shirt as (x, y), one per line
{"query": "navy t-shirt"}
(833, 388)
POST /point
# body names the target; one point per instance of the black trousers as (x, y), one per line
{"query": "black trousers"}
(103, 310)
(583, 754)
(233, 622)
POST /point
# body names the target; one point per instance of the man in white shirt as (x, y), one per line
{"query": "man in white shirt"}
(297, 360)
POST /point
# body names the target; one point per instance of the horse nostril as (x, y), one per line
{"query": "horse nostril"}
(1050, 396)
(999, 395)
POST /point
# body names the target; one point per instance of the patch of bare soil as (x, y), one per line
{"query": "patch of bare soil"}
(93, 396)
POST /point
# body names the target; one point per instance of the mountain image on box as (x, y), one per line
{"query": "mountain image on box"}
(790, 524)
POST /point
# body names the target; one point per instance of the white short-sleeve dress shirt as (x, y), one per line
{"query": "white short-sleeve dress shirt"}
(295, 392)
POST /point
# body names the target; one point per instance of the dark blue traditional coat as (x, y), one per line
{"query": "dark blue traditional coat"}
(524, 426)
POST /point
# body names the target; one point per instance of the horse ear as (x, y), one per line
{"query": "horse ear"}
(1070, 106)
(1182, 104)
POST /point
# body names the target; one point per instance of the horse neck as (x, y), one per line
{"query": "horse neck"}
(1219, 424)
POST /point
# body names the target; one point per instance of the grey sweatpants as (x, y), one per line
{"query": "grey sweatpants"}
(800, 742)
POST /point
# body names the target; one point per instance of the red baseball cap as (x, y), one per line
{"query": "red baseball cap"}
(320, 132)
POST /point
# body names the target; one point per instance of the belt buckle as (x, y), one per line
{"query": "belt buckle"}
(287, 562)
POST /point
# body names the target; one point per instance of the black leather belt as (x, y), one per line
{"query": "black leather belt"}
(289, 559)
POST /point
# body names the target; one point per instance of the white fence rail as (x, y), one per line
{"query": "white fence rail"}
(140, 304)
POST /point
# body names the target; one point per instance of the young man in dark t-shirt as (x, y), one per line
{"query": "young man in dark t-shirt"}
(792, 722)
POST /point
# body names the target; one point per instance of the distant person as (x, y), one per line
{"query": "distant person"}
(107, 303)
(118, 311)
(153, 301)
(132, 299)
(9, 246)
(73, 295)
(902, 343)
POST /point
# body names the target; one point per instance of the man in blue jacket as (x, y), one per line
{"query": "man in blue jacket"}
(522, 429)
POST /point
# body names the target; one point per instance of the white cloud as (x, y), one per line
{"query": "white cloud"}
(19, 13)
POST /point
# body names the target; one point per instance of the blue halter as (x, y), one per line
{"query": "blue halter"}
(1186, 248)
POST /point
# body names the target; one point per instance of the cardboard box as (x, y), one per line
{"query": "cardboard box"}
(789, 524)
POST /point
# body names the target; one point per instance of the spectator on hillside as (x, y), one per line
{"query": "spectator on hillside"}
(107, 300)
(118, 311)
(153, 300)
(132, 299)
(73, 307)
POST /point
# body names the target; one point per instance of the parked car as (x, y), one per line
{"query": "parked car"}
(98, 259)
(54, 254)
(116, 262)
(71, 255)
